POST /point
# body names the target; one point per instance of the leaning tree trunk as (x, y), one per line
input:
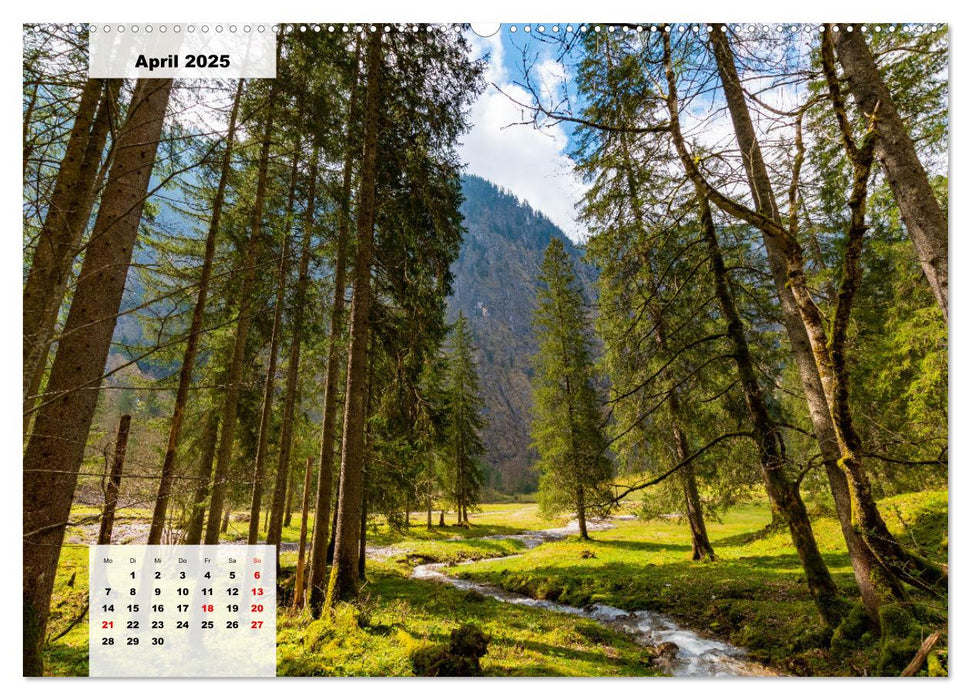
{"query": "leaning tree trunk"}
(28, 120)
(195, 330)
(866, 568)
(269, 385)
(320, 543)
(829, 348)
(60, 241)
(56, 446)
(701, 549)
(54, 241)
(918, 206)
(344, 579)
(234, 376)
(768, 438)
(278, 506)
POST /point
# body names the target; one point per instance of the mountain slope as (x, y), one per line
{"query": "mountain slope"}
(495, 286)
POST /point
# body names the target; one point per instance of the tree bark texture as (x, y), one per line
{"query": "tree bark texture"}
(56, 447)
(345, 577)
(114, 481)
(921, 212)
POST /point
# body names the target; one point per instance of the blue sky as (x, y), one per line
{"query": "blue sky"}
(532, 163)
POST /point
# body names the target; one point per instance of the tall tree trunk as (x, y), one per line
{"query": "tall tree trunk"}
(459, 493)
(64, 419)
(428, 505)
(333, 524)
(866, 568)
(700, 544)
(320, 545)
(783, 492)
(60, 239)
(254, 250)
(114, 481)
(298, 588)
(54, 240)
(197, 515)
(195, 330)
(279, 506)
(919, 208)
(344, 577)
(288, 507)
(269, 385)
(77, 223)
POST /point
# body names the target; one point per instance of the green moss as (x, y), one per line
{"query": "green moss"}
(899, 641)
(460, 657)
(754, 595)
(851, 630)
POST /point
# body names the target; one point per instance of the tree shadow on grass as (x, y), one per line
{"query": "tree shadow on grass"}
(640, 546)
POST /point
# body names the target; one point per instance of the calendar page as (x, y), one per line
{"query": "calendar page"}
(358, 347)
(182, 610)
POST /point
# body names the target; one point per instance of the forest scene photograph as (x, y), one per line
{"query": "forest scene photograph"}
(527, 349)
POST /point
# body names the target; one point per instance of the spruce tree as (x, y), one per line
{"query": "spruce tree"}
(465, 422)
(567, 425)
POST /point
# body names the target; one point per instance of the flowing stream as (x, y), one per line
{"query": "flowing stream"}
(682, 651)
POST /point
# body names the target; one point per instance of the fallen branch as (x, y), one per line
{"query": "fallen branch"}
(921, 656)
(84, 611)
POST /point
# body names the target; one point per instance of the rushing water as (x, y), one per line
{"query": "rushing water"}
(687, 653)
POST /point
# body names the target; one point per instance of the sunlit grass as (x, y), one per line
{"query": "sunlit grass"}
(754, 594)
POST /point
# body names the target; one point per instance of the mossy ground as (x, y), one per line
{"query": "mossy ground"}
(753, 595)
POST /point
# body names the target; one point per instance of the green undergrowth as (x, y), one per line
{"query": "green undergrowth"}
(398, 618)
(754, 595)
(68, 655)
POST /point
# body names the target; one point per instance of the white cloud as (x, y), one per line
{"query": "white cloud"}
(532, 163)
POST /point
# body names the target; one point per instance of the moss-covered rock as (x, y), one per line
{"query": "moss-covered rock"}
(460, 657)
(851, 630)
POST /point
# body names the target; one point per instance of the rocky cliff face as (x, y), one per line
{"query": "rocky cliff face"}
(495, 286)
